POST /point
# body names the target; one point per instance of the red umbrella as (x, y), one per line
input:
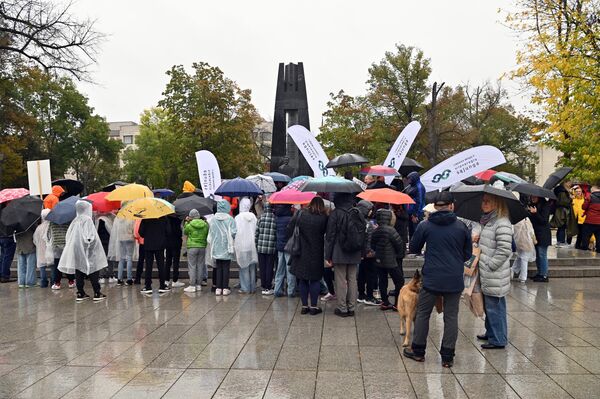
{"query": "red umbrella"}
(486, 175)
(9, 194)
(291, 197)
(101, 204)
(379, 170)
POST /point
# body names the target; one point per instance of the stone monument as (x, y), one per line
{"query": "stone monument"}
(291, 108)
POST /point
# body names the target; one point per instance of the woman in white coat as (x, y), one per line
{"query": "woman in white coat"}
(83, 253)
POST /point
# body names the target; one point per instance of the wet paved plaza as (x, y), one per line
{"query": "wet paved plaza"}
(201, 346)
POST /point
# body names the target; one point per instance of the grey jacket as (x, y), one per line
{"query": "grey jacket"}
(495, 242)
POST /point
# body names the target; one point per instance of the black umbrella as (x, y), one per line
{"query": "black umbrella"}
(183, 206)
(346, 160)
(556, 177)
(113, 186)
(20, 215)
(63, 212)
(409, 165)
(468, 202)
(72, 187)
(531, 189)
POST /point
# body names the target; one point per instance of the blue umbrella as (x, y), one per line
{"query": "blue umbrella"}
(64, 211)
(279, 177)
(163, 192)
(301, 178)
(239, 187)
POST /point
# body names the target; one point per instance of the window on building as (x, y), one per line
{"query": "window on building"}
(127, 140)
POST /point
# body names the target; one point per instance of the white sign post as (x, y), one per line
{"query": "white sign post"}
(400, 148)
(460, 166)
(311, 149)
(38, 173)
(209, 172)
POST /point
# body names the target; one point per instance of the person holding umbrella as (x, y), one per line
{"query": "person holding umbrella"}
(539, 212)
(26, 258)
(154, 233)
(591, 206)
(266, 241)
(221, 235)
(57, 234)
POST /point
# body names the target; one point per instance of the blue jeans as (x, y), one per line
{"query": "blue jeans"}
(283, 272)
(26, 269)
(43, 277)
(248, 278)
(561, 235)
(541, 260)
(496, 326)
(7, 254)
(126, 249)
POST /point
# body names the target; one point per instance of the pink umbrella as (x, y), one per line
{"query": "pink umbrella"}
(295, 185)
(9, 194)
(379, 170)
(292, 197)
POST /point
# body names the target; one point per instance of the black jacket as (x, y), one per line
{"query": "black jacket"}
(401, 225)
(309, 265)
(154, 232)
(377, 184)
(448, 248)
(283, 215)
(333, 251)
(541, 224)
(174, 236)
(389, 247)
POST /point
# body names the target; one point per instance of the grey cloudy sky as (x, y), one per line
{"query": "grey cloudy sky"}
(336, 40)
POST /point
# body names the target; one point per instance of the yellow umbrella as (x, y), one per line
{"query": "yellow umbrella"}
(130, 192)
(146, 208)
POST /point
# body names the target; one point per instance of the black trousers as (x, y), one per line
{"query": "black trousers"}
(266, 263)
(173, 255)
(397, 276)
(79, 281)
(367, 278)
(579, 239)
(328, 277)
(589, 229)
(140, 264)
(59, 274)
(160, 263)
(311, 288)
(221, 271)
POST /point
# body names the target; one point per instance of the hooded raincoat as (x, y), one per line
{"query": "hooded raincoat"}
(83, 249)
(43, 249)
(221, 233)
(416, 190)
(245, 248)
(52, 199)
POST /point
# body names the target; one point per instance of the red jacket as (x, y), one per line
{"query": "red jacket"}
(591, 206)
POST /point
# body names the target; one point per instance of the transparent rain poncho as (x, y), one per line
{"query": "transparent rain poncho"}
(83, 249)
(245, 248)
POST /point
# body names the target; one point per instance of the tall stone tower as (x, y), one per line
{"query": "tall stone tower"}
(291, 108)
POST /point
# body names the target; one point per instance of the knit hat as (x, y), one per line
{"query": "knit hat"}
(194, 214)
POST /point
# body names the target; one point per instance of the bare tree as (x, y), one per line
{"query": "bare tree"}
(49, 35)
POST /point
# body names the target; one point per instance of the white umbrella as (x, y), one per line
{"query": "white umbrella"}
(264, 182)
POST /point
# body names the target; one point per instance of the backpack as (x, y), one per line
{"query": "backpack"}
(352, 233)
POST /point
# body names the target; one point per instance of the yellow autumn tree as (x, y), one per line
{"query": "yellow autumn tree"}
(560, 62)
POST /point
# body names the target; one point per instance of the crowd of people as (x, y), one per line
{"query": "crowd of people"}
(344, 253)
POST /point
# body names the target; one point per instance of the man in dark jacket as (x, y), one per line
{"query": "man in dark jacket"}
(417, 192)
(173, 251)
(389, 251)
(591, 206)
(283, 215)
(154, 232)
(367, 272)
(538, 212)
(448, 247)
(344, 263)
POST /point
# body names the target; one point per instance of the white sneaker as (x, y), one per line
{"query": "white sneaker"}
(56, 286)
(177, 284)
(102, 281)
(198, 288)
(226, 291)
(218, 291)
(267, 292)
(112, 280)
(190, 288)
(327, 297)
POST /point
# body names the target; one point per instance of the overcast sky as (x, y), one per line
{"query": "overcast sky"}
(336, 40)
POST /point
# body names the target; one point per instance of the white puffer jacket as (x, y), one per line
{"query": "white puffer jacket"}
(495, 242)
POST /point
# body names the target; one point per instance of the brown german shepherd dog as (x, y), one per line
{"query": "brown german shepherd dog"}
(407, 305)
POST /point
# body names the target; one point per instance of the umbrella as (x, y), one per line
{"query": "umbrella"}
(183, 206)
(468, 202)
(279, 177)
(472, 181)
(130, 192)
(386, 196)
(409, 165)
(238, 187)
(263, 182)
(9, 194)
(331, 184)
(556, 177)
(292, 197)
(379, 170)
(532, 190)
(346, 160)
(295, 185)
(101, 204)
(114, 185)
(20, 214)
(64, 211)
(146, 208)
(163, 192)
(509, 177)
(72, 187)
(302, 177)
(486, 175)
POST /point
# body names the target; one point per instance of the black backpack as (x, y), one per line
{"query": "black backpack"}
(352, 233)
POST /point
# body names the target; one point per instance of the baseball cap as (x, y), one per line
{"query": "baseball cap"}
(444, 198)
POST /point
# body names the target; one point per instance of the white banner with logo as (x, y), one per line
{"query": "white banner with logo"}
(401, 147)
(311, 149)
(209, 172)
(461, 166)
(38, 174)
